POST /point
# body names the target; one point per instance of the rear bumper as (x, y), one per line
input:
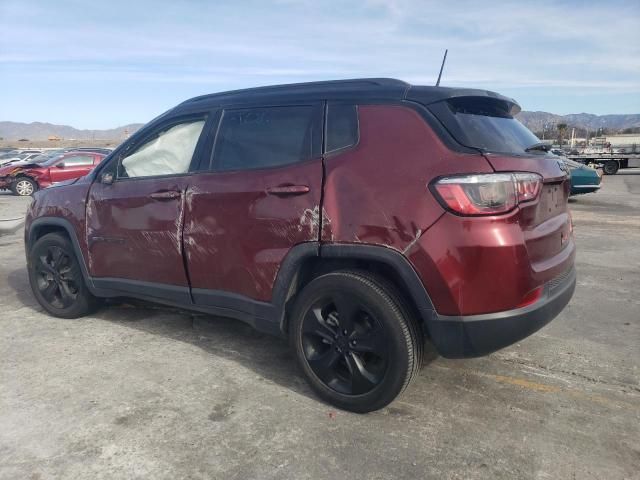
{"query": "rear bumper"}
(477, 335)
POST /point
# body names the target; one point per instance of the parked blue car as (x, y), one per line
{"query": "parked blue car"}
(583, 179)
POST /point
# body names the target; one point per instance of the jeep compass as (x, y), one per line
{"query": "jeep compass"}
(365, 220)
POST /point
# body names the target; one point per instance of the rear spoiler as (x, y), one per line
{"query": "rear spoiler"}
(430, 95)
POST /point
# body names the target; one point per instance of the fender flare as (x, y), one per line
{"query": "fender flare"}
(60, 222)
(393, 259)
(290, 268)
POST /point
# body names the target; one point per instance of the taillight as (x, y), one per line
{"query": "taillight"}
(487, 194)
(528, 186)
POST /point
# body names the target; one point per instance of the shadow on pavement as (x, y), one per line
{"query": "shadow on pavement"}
(269, 357)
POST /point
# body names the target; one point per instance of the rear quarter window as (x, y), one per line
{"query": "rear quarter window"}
(342, 127)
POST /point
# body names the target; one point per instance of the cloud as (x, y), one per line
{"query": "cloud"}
(542, 46)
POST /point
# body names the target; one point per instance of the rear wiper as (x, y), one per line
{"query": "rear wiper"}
(545, 147)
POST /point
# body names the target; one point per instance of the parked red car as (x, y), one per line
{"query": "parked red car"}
(26, 178)
(353, 217)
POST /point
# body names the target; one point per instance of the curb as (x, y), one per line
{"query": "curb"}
(10, 225)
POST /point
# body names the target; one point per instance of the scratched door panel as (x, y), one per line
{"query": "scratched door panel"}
(133, 235)
(236, 233)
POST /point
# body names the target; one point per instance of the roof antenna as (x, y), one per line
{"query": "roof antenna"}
(441, 67)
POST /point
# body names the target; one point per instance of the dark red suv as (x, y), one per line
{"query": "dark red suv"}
(43, 171)
(354, 217)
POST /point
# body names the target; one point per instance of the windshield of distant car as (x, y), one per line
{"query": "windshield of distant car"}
(46, 157)
(572, 163)
(47, 161)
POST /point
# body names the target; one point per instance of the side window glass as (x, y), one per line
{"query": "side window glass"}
(168, 153)
(78, 160)
(267, 137)
(342, 126)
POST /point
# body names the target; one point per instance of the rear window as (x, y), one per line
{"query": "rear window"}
(485, 124)
(78, 160)
(48, 161)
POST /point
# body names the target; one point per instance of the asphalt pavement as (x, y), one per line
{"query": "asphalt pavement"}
(151, 392)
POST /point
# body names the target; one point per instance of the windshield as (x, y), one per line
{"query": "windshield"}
(572, 164)
(486, 124)
(47, 161)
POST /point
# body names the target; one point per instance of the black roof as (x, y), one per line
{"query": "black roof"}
(354, 89)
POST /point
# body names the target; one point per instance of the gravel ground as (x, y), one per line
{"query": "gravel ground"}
(146, 392)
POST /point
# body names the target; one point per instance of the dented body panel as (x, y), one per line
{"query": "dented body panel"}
(468, 265)
(66, 202)
(376, 192)
(236, 233)
(133, 236)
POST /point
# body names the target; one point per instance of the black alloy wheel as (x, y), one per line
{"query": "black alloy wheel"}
(56, 277)
(344, 344)
(355, 339)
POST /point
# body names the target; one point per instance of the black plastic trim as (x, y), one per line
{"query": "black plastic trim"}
(392, 258)
(135, 288)
(430, 95)
(41, 222)
(260, 315)
(287, 277)
(478, 335)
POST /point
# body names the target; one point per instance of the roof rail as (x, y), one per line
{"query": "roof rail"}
(355, 82)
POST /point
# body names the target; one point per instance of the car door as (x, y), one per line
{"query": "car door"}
(71, 166)
(260, 197)
(135, 213)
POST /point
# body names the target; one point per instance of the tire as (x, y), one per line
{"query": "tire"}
(355, 340)
(24, 187)
(610, 167)
(56, 278)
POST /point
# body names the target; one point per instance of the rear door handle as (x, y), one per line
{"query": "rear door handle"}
(167, 195)
(284, 190)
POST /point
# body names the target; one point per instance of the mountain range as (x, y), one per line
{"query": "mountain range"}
(535, 121)
(42, 131)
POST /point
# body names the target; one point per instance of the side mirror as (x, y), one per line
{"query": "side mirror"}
(60, 165)
(106, 178)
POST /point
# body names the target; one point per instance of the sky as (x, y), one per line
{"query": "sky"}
(105, 64)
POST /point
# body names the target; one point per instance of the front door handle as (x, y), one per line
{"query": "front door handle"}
(288, 190)
(166, 195)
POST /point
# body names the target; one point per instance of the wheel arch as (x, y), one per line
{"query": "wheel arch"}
(307, 261)
(43, 225)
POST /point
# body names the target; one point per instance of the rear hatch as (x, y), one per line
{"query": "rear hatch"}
(487, 124)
